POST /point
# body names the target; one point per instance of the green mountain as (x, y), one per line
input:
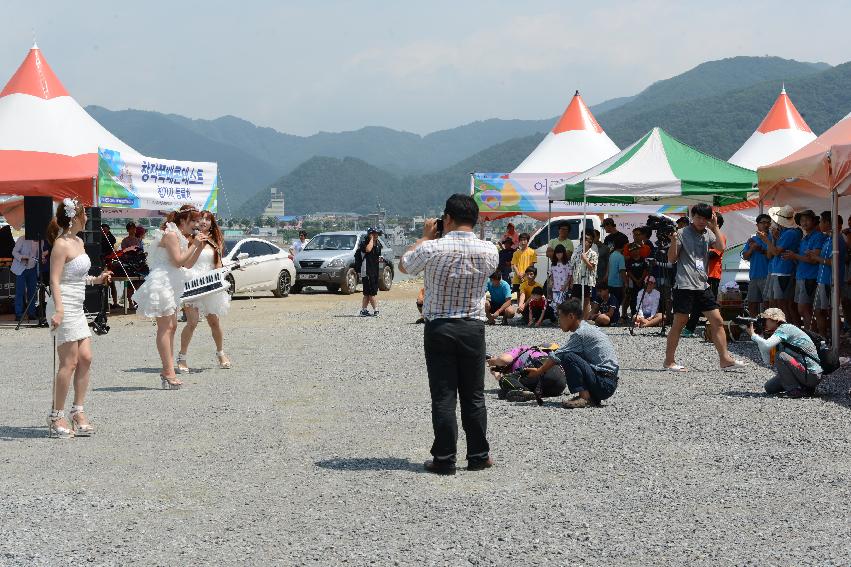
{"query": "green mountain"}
(717, 124)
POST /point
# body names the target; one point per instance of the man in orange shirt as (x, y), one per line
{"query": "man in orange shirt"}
(641, 236)
(713, 270)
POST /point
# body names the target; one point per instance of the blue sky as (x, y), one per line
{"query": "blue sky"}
(304, 67)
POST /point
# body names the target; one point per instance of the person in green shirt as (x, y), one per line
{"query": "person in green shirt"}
(563, 239)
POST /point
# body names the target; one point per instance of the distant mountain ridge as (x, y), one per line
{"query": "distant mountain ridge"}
(253, 157)
(717, 124)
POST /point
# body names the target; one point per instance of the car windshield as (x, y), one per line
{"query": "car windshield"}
(332, 242)
(229, 244)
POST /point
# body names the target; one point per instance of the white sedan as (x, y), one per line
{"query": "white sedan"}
(266, 268)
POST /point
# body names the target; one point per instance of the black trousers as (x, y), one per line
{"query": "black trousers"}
(695, 316)
(455, 360)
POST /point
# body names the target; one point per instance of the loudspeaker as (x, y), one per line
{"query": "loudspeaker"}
(95, 301)
(92, 237)
(38, 212)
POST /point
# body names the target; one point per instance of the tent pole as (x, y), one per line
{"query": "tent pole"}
(834, 268)
(761, 206)
(94, 191)
(582, 246)
(549, 228)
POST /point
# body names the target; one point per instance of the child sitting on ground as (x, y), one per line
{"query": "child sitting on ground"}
(537, 307)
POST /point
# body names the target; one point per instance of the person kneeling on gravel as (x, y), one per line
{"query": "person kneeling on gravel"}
(796, 360)
(589, 360)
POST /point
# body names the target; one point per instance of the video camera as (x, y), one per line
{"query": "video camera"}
(663, 226)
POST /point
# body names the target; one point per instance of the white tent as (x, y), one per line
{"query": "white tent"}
(782, 132)
(575, 144)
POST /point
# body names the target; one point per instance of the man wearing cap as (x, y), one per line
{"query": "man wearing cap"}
(563, 238)
(754, 252)
(369, 272)
(794, 354)
(785, 235)
(807, 270)
(614, 239)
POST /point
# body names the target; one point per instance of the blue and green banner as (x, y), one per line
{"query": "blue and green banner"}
(133, 181)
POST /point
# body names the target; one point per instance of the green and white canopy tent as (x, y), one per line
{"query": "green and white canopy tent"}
(658, 166)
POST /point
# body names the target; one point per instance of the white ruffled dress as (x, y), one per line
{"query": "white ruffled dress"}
(159, 296)
(215, 303)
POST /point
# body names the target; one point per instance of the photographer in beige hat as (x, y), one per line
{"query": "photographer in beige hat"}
(791, 351)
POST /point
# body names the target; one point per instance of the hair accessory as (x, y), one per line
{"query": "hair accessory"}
(70, 207)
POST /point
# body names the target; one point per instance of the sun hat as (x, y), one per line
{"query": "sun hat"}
(774, 314)
(784, 216)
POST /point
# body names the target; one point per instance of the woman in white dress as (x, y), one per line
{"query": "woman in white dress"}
(159, 296)
(69, 274)
(213, 306)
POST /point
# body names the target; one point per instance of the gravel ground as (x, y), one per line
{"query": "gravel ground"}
(309, 452)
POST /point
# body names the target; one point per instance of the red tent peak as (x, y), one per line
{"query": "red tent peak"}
(783, 116)
(35, 77)
(577, 116)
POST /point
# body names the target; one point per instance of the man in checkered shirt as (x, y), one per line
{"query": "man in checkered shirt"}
(457, 266)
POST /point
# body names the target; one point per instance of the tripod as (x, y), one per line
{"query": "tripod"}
(41, 291)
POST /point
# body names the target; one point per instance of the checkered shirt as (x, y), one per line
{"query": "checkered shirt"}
(457, 268)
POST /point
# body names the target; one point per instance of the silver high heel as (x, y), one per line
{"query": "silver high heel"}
(57, 431)
(182, 367)
(168, 385)
(80, 430)
(223, 364)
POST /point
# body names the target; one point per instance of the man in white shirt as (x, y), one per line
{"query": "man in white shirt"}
(25, 258)
(298, 245)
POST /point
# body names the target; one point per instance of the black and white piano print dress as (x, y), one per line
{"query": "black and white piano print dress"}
(214, 303)
(159, 296)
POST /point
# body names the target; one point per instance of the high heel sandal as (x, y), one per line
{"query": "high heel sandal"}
(224, 364)
(169, 384)
(80, 429)
(182, 367)
(58, 431)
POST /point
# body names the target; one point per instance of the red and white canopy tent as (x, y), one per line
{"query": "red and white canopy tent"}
(576, 143)
(815, 176)
(48, 143)
(781, 132)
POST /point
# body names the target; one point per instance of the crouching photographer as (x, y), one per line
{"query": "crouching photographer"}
(792, 352)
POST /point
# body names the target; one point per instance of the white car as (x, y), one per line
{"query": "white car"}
(266, 268)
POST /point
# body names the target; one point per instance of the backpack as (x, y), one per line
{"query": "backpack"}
(511, 380)
(827, 359)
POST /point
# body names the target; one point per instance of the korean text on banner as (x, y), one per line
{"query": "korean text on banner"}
(133, 181)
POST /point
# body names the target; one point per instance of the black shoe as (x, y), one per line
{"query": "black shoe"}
(439, 468)
(520, 396)
(479, 464)
(419, 321)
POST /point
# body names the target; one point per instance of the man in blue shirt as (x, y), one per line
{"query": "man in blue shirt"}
(807, 270)
(785, 235)
(754, 252)
(500, 300)
(617, 272)
(825, 270)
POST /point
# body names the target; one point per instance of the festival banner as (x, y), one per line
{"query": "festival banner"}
(133, 181)
(500, 194)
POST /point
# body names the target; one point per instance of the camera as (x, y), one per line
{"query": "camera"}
(663, 226)
(745, 320)
(439, 228)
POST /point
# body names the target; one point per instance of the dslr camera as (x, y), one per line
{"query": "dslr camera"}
(439, 228)
(663, 226)
(745, 320)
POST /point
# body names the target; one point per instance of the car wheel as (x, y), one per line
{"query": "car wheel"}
(284, 284)
(349, 284)
(386, 281)
(232, 286)
(333, 288)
